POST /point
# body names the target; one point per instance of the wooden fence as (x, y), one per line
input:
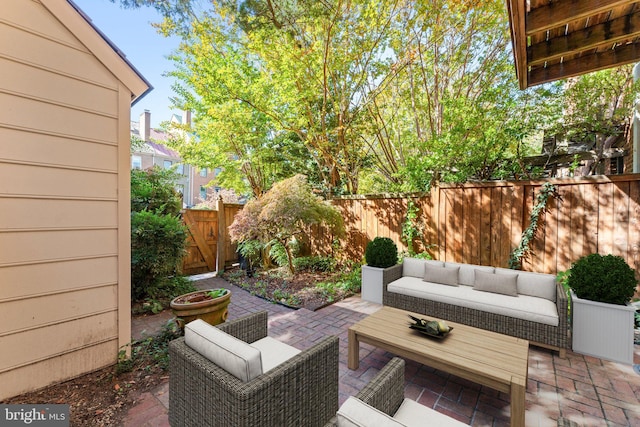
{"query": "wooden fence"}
(482, 223)
(209, 247)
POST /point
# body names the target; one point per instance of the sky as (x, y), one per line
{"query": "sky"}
(131, 31)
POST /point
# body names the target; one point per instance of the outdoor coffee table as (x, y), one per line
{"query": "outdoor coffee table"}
(484, 357)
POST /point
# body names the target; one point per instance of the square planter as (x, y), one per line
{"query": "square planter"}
(371, 289)
(602, 330)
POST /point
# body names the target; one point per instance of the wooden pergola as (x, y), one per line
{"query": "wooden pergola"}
(556, 39)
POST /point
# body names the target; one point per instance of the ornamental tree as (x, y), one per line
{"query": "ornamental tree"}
(282, 213)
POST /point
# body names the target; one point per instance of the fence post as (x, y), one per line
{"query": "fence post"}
(222, 236)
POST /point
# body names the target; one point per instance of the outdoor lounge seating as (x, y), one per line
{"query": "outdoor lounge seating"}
(527, 305)
(382, 402)
(301, 389)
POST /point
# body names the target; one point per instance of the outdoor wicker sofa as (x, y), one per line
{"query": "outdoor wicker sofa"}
(490, 316)
(385, 393)
(302, 391)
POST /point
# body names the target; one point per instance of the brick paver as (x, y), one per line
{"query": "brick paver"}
(583, 389)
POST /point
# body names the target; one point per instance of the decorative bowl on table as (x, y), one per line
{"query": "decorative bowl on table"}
(430, 328)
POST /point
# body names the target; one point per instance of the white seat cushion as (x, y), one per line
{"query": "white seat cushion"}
(226, 351)
(521, 307)
(356, 413)
(413, 414)
(273, 352)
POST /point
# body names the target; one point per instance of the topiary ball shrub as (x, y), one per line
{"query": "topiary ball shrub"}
(607, 279)
(381, 252)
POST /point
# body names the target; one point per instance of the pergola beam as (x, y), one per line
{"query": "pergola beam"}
(517, 10)
(601, 35)
(612, 58)
(563, 11)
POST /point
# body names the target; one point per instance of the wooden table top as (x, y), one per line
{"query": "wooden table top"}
(478, 355)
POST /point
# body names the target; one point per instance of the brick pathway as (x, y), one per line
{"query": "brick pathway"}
(582, 389)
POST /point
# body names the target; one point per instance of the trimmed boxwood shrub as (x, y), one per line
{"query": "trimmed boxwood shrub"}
(607, 279)
(381, 252)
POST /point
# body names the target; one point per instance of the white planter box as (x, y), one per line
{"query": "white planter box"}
(372, 284)
(602, 330)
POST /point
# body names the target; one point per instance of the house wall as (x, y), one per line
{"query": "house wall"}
(64, 202)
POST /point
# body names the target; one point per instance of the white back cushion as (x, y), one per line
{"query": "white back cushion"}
(226, 351)
(414, 267)
(539, 285)
(356, 413)
(467, 273)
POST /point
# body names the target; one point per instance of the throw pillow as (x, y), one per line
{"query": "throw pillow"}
(505, 284)
(442, 275)
(355, 413)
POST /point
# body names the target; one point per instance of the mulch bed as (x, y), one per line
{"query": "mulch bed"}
(271, 284)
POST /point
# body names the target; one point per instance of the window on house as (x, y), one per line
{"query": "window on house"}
(203, 172)
(217, 171)
(203, 192)
(616, 166)
(136, 162)
(180, 169)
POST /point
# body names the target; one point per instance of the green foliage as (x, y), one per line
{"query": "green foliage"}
(158, 237)
(597, 106)
(412, 228)
(369, 95)
(217, 293)
(421, 255)
(251, 250)
(153, 190)
(314, 263)
(381, 252)
(529, 234)
(348, 283)
(283, 213)
(150, 353)
(158, 243)
(278, 252)
(285, 297)
(607, 279)
(137, 143)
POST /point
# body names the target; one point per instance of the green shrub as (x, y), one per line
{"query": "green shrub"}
(251, 253)
(607, 279)
(158, 243)
(381, 252)
(278, 252)
(314, 263)
(154, 190)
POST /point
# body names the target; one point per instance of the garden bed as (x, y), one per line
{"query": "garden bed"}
(306, 289)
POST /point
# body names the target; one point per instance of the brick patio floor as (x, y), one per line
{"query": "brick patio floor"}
(582, 389)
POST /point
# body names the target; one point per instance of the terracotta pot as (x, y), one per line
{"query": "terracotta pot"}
(199, 305)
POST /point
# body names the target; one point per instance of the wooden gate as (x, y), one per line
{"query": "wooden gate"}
(208, 245)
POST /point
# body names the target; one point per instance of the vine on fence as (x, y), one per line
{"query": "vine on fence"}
(410, 230)
(515, 259)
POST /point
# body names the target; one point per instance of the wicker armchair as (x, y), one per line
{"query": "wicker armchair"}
(385, 391)
(303, 391)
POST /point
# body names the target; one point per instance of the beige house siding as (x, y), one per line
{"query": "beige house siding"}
(65, 99)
